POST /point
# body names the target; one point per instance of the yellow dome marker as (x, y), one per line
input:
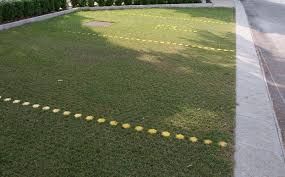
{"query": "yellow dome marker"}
(88, 118)
(55, 110)
(46, 108)
(222, 144)
(16, 101)
(26, 103)
(208, 141)
(101, 120)
(77, 115)
(126, 126)
(193, 139)
(152, 131)
(66, 113)
(165, 134)
(139, 128)
(114, 123)
(180, 136)
(36, 106)
(7, 99)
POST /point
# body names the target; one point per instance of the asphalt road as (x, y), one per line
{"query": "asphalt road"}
(267, 20)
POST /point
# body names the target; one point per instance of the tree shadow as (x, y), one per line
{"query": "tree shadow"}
(221, 14)
(153, 88)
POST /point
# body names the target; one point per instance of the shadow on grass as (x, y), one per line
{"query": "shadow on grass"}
(221, 14)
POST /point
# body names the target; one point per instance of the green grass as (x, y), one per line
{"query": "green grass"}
(175, 88)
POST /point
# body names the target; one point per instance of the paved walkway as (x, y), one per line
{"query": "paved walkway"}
(267, 20)
(258, 146)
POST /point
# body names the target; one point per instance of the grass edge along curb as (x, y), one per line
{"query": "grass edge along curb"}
(114, 123)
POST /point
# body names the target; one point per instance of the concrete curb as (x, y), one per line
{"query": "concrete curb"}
(259, 150)
(52, 15)
(35, 19)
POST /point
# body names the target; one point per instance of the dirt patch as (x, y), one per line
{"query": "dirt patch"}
(98, 24)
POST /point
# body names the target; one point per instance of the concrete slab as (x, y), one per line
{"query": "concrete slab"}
(223, 3)
(258, 151)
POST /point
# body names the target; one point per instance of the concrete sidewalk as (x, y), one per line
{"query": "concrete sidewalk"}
(223, 3)
(259, 151)
(267, 20)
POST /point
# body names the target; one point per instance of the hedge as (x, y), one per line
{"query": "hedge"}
(11, 10)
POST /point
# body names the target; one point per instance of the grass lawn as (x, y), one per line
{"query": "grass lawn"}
(167, 69)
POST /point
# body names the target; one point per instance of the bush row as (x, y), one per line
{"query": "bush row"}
(91, 3)
(11, 10)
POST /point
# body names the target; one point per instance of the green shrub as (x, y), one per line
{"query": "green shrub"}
(45, 6)
(63, 4)
(1, 10)
(82, 3)
(8, 11)
(128, 2)
(101, 2)
(91, 3)
(28, 8)
(144, 2)
(11, 10)
(191, 1)
(50, 5)
(74, 3)
(118, 2)
(153, 1)
(137, 2)
(161, 1)
(109, 2)
(57, 5)
(37, 7)
(19, 8)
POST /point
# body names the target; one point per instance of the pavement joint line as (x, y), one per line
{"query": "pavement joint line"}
(154, 41)
(124, 125)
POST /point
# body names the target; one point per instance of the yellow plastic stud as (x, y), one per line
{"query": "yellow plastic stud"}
(193, 139)
(77, 115)
(180, 136)
(46, 108)
(139, 128)
(114, 123)
(36, 106)
(16, 101)
(55, 110)
(66, 113)
(88, 118)
(26, 103)
(152, 131)
(126, 126)
(165, 134)
(101, 120)
(7, 99)
(222, 144)
(207, 141)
